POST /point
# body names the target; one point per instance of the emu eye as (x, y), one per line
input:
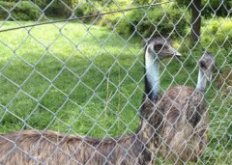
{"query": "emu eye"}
(157, 48)
(203, 65)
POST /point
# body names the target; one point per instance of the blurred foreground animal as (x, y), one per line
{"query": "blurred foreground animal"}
(186, 119)
(52, 148)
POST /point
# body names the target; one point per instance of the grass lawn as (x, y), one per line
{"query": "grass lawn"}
(87, 80)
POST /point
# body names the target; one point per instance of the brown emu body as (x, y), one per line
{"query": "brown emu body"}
(52, 148)
(185, 124)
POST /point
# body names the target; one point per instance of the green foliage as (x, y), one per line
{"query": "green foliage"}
(158, 20)
(102, 2)
(9, 0)
(111, 20)
(87, 9)
(217, 7)
(4, 7)
(58, 9)
(40, 3)
(23, 10)
(30, 10)
(26, 11)
(217, 33)
(183, 2)
(143, 2)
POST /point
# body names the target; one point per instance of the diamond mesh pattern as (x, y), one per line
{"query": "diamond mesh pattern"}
(86, 77)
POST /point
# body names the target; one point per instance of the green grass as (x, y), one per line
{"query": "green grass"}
(69, 83)
(87, 80)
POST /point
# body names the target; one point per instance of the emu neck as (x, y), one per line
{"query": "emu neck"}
(151, 75)
(201, 81)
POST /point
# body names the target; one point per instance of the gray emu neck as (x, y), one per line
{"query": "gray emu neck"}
(201, 81)
(151, 74)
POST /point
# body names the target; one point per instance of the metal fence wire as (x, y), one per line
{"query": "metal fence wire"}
(115, 82)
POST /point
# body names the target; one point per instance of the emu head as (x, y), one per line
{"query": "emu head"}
(160, 48)
(207, 65)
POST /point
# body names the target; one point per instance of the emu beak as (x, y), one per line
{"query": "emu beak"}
(174, 52)
(177, 54)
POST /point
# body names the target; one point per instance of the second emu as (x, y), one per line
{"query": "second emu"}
(186, 119)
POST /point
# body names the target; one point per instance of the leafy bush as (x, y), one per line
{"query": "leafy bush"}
(79, 12)
(26, 11)
(4, 7)
(110, 20)
(67, 7)
(88, 9)
(57, 9)
(217, 33)
(161, 20)
(54, 8)
(22, 10)
(220, 8)
(217, 7)
(41, 3)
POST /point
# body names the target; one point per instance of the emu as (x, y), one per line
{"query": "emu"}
(151, 109)
(47, 147)
(186, 120)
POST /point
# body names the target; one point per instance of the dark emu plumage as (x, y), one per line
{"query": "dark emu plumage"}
(51, 148)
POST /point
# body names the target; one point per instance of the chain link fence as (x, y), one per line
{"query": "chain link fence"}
(82, 73)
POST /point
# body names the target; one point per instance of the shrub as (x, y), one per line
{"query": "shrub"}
(4, 7)
(58, 8)
(110, 20)
(41, 3)
(79, 12)
(217, 7)
(26, 11)
(23, 10)
(217, 33)
(87, 9)
(160, 20)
